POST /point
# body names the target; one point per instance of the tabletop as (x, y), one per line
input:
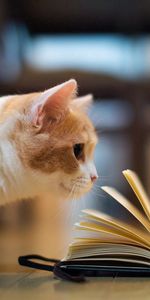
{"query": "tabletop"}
(44, 286)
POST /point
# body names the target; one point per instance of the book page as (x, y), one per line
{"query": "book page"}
(115, 227)
(108, 252)
(108, 239)
(128, 205)
(117, 233)
(112, 222)
(139, 190)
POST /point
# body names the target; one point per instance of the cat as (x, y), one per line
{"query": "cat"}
(47, 144)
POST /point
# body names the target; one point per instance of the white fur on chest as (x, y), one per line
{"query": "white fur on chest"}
(15, 182)
(3, 101)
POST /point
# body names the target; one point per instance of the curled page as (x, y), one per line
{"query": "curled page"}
(139, 190)
(128, 205)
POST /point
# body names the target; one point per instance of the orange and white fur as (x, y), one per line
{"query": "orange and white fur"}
(46, 144)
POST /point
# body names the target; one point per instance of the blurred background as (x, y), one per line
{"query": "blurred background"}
(105, 46)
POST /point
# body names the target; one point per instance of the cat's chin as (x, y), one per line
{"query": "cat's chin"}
(69, 193)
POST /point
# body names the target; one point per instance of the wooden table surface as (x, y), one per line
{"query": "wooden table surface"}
(40, 285)
(49, 236)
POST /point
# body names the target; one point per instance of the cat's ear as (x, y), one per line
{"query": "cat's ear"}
(82, 103)
(53, 103)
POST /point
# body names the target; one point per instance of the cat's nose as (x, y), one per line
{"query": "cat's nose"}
(94, 178)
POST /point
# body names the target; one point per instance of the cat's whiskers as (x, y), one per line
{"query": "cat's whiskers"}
(81, 183)
(73, 208)
(96, 192)
(74, 191)
(97, 186)
(62, 207)
(77, 185)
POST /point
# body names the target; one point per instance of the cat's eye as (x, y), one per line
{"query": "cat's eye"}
(78, 151)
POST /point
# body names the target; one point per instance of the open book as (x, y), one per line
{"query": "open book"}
(111, 244)
(106, 246)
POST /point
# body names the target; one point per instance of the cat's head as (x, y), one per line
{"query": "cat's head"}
(56, 140)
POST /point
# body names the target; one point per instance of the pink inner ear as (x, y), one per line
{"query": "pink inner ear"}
(54, 102)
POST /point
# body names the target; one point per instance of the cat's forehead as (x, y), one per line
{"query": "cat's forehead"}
(78, 126)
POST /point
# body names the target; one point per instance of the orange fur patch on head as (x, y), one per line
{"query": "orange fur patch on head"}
(52, 150)
(48, 146)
